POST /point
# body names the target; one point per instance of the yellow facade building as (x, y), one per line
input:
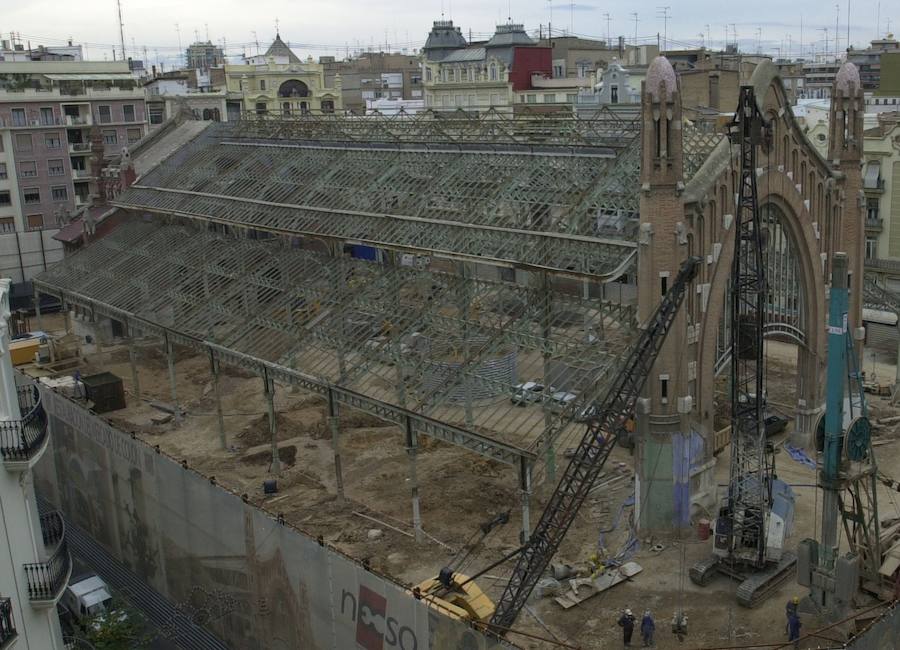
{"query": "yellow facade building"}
(279, 83)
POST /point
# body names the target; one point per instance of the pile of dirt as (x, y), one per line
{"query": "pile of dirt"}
(357, 420)
(287, 455)
(257, 432)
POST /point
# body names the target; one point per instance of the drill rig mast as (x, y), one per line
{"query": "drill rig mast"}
(748, 536)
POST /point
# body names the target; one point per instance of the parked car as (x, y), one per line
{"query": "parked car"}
(529, 392)
(586, 414)
(561, 400)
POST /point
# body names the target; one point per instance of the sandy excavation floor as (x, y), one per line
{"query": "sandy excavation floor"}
(458, 492)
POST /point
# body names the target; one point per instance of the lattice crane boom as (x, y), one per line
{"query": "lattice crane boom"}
(612, 414)
(749, 496)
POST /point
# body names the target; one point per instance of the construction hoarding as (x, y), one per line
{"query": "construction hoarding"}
(177, 530)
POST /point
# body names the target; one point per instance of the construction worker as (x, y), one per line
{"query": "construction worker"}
(791, 608)
(794, 626)
(648, 627)
(626, 622)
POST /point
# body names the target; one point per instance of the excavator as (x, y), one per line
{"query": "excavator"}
(457, 595)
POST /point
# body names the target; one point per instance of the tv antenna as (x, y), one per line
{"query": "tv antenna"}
(121, 28)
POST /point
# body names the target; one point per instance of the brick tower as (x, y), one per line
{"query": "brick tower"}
(845, 153)
(662, 489)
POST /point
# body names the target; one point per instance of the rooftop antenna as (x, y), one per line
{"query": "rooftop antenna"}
(277, 27)
(572, 17)
(801, 36)
(256, 41)
(196, 35)
(734, 33)
(759, 40)
(663, 12)
(607, 29)
(848, 24)
(178, 31)
(550, 24)
(121, 28)
(708, 36)
(635, 18)
(837, 27)
(825, 29)
(206, 27)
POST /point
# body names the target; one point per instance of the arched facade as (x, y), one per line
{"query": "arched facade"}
(815, 211)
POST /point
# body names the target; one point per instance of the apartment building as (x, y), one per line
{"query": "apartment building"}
(374, 76)
(49, 112)
(35, 564)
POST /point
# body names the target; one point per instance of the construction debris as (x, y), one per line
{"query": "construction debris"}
(580, 589)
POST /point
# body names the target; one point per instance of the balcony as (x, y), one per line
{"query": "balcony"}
(81, 174)
(46, 580)
(23, 441)
(79, 147)
(79, 120)
(7, 625)
(874, 225)
(53, 528)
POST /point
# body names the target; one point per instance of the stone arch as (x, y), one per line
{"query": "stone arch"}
(293, 88)
(778, 191)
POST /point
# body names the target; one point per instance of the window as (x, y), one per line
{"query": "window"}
(51, 141)
(133, 135)
(664, 389)
(23, 142)
(531, 99)
(550, 98)
(28, 169)
(34, 221)
(493, 72)
(32, 195)
(110, 137)
(18, 117)
(871, 248)
(328, 106)
(55, 168)
(558, 72)
(427, 74)
(571, 98)
(105, 114)
(614, 94)
(2, 171)
(663, 285)
(46, 116)
(262, 84)
(451, 75)
(464, 74)
(871, 209)
(157, 113)
(261, 108)
(128, 112)
(7, 224)
(286, 109)
(5, 199)
(60, 193)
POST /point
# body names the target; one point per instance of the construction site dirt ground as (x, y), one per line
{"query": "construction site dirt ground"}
(459, 491)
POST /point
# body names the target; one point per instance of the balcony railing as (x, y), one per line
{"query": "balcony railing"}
(46, 580)
(7, 625)
(80, 147)
(52, 528)
(79, 120)
(873, 224)
(81, 173)
(21, 440)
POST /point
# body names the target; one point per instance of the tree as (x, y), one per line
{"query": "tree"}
(118, 628)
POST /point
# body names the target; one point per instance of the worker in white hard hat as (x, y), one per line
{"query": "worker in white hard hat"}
(626, 622)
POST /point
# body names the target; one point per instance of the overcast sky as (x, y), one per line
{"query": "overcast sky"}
(331, 26)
